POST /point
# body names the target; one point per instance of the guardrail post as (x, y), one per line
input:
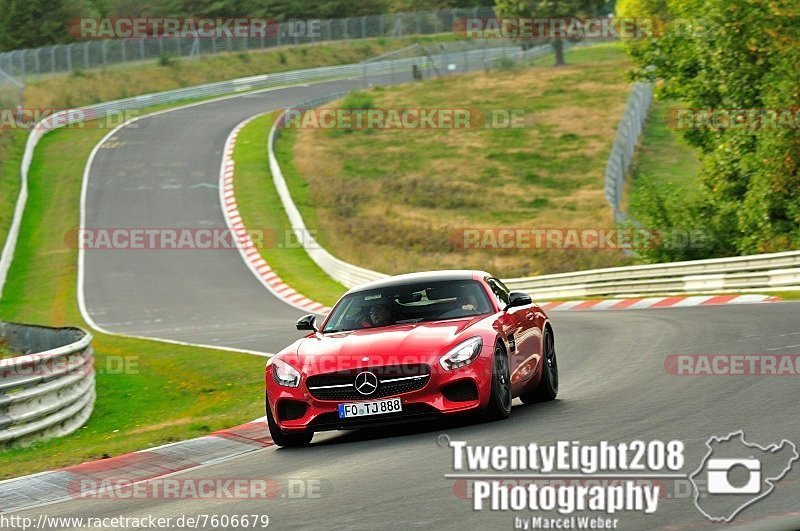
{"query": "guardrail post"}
(69, 57)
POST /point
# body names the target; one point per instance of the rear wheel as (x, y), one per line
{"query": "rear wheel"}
(500, 399)
(548, 385)
(283, 438)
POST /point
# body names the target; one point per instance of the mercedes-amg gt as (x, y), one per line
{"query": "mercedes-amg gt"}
(412, 347)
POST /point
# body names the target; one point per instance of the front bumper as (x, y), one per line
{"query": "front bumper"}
(444, 394)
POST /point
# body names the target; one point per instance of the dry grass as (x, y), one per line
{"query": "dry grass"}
(392, 200)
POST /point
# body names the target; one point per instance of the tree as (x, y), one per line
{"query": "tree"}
(32, 23)
(741, 55)
(549, 9)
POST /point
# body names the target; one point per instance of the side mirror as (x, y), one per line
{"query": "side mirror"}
(518, 298)
(307, 322)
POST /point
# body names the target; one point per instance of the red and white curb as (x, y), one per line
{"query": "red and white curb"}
(84, 480)
(247, 247)
(654, 302)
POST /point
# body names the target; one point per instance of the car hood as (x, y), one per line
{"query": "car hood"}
(400, 344)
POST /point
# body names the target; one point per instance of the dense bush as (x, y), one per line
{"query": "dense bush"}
(732, 55)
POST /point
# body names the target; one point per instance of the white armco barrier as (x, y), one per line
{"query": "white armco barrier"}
(49, 391)
(763, 272)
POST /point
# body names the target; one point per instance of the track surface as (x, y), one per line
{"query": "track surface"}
(162, 172)
(613, 387)
(613, 382)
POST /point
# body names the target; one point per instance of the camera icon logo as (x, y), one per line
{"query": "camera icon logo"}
(718, 480)
(735, 474)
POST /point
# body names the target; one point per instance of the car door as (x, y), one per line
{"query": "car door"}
(522, 334)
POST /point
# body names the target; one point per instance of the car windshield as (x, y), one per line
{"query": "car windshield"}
(411, 303)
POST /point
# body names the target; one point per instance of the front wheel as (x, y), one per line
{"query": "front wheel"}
(548, 385)
(500, 399)
(285, 439)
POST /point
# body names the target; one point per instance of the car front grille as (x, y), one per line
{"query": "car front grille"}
(391, 380)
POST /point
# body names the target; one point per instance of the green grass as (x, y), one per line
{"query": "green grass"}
(173, 393)
(393, 200)
(260, 207)
(12, 145)
(664, 163)
(580, 55)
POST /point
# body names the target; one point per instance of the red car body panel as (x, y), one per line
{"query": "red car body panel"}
(520, 330)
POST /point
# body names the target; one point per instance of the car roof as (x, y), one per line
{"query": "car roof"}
(424, 276)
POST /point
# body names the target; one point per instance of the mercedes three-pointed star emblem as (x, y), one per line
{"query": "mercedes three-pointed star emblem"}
(366, 383)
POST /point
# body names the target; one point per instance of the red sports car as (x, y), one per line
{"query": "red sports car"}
(412, 347)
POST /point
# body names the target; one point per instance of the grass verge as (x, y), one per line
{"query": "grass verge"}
(12, 145)
(164, 392)
(664, 163)
(260, 207)
(397, 200)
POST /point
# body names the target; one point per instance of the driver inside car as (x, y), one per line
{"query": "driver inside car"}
(379, 315)
(469, 303)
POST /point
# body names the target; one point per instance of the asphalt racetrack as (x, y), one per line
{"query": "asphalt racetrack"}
(614, 387)
(162, 172)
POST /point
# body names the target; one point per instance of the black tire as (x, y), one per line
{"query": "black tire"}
(285, 439)
(548, 385)
(499, 407)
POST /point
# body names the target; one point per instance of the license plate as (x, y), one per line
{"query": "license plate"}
(364, 409)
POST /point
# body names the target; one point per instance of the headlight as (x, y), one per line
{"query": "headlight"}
(462, 354)
(285, 374)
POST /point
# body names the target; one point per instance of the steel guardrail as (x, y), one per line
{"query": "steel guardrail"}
(50, 391)
(766, 272)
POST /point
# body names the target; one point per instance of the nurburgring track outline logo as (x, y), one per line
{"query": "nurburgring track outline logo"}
(719, 499)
